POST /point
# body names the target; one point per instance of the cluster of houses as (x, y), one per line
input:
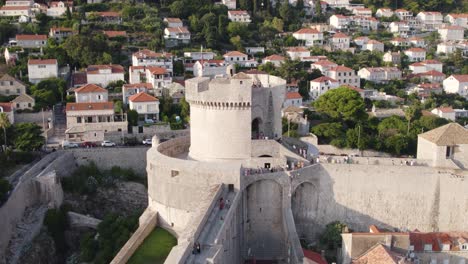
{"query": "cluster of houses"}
(26, 9)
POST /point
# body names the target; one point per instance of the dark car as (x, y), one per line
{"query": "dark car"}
(88, 145)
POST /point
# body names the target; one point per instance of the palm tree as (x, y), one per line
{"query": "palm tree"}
(4, 123)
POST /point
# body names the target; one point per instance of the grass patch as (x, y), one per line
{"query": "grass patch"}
(155, 248)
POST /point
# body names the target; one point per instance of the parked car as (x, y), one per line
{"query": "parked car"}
(107, 143)
(147, 141)
(88, 144)
(149, 121)
(68, 144)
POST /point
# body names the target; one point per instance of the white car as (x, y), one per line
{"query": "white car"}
(147, 141)
(107, 143)
(67, 144)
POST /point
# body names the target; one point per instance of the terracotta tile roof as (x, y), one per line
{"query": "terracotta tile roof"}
(340, 16)
(90, 88)
(417, 64)
(31, 37)
(431, 62)
(156, 70)
(448, 135)
(340, 35)
(108, 14)
(452, 27)
(115, 68)
(416, 50)
(314, 256)
(114, 33)
(433, 13)
(341, 69)
(23, 98)
(234, 54)
(238, 12)
(40, 61)
(458, 15)
(431, 73)
(6, 107)
(297, 49)
(373, 41)
(146, 53)
(8, 8)
(324, 79)
(178, 29)
(379, 254)
(54, 29)
(416, 39)
(7, 77)
(325, 63)
(461, 77)
(307, 31)
(275, 57)
(142, 97)
(293, 95)
(429, 85)
(447, 109)
(138, 85)
(90, 106)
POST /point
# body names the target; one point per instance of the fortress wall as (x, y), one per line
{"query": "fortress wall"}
(106, 158)
(425, 198)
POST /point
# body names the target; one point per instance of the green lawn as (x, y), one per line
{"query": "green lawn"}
(155, 248)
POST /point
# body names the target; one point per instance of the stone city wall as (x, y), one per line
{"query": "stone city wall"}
(404, 197)
(106, 158)
(148, 221)
(29, 192)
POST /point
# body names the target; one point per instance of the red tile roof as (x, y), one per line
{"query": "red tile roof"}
(416, 50)
(447, 109)
(39, 61)
(156, 70)
(235, 53)
(31, 37)
(178, 29)
(379, 254)
(108, 14)
(90, 88)
(275, 57)
(173, 20)
(6, 8)
(79, 78)
(113, 33)
(149, 54)
(431, 73)
(461, 77)
(138, 85)
(6, 107)
(341, 69)
(307, 31)
(340, 35)
(324, 79)
(115, 68)
(237, 12)
(142, 97)
(293, 95)
(90, 106)
(314, 256)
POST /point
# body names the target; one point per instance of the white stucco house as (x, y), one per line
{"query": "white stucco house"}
(274, 59)
(102, 75)
(400, 28)
(146, 105)
(60, 33)
(11, 86)
(31, 41)
(177, 35)
(444, 112)
(8, 109)
(15, 11)
(212, 68)
(173, 22)
(373, 45)
(231, 4)
(456, 84)
(430, 20)
(158, 77)
(384, 12)
(404, 14)
(448, 33)
(323, 65)
(344, 76)
(39, 69)
(91, 93)
(242, 59)
(457, 19)
(297, 52)
(59, 8)
(416, 54)
(340, 41)
(339, 21)
(322, 85)
(240, 16)
(146, 57)
(310, 36)
(23, 101)
(135, 88)
(292, 99)
(380, 74)
(426, 65)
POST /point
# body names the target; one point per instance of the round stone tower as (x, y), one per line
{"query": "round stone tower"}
(220, 117)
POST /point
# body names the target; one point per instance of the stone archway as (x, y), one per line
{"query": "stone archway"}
(304, 205)
(264, 228)
(257, 128)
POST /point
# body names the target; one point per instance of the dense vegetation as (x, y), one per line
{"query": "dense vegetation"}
(343, 122)
(87, 179)
(446, 6)
(113, 232)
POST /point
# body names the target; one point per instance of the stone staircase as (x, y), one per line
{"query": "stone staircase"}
(60, 125)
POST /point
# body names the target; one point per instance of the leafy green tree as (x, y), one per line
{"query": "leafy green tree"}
(6, 31)
(178, 9)
(237, 42)
(28, 136)
(4, 124)
(396, 143)
(342, 104)
(330, 239)
(286, 12)
(132, 117)
(237, 29)
(391, 126)
(411, 113)
(48, 92)
(328, 131)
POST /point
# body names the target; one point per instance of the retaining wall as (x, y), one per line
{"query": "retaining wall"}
(106, 158)
(33, 117)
